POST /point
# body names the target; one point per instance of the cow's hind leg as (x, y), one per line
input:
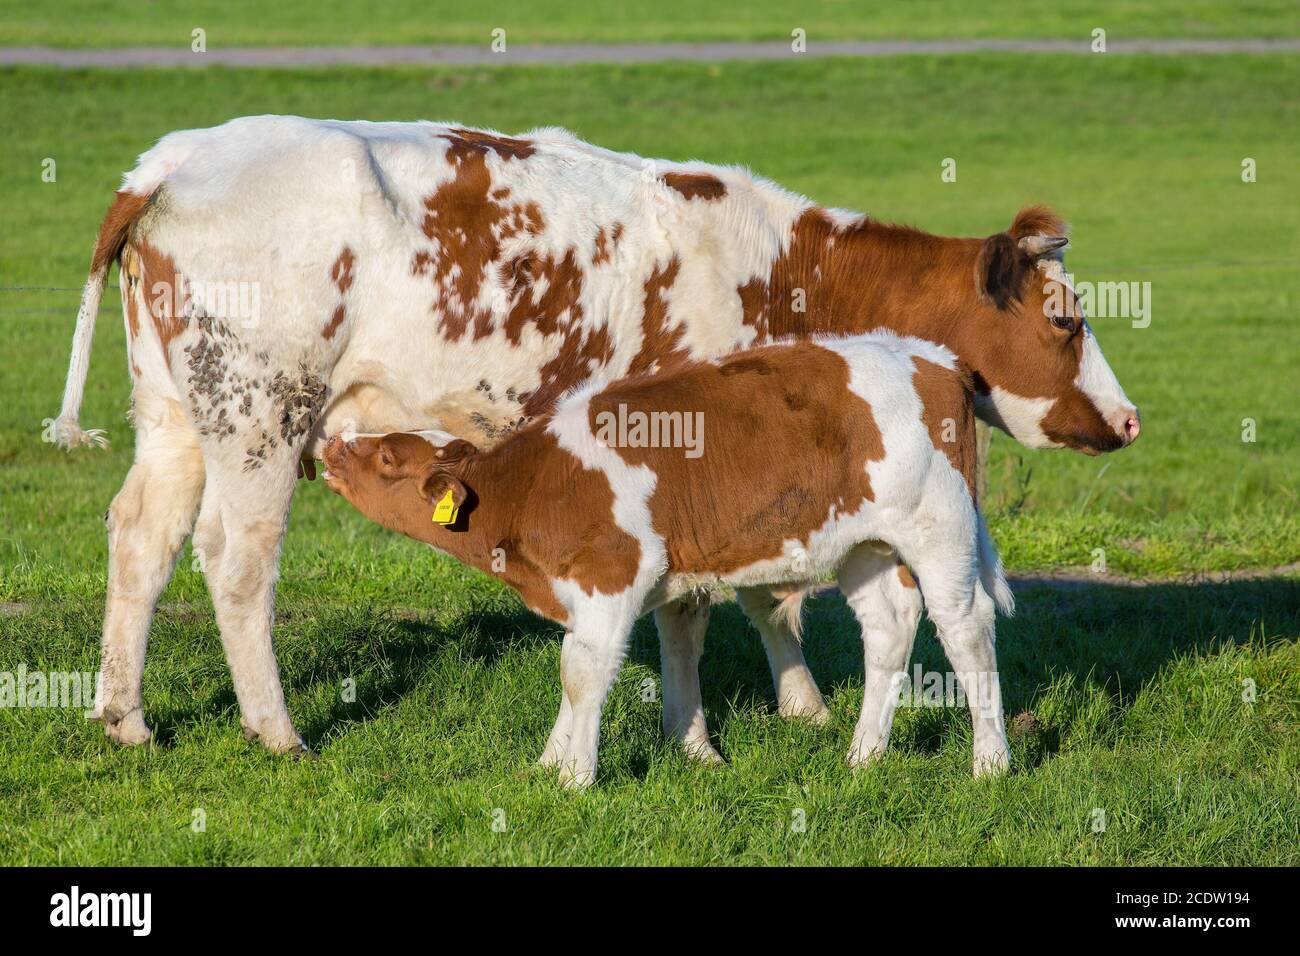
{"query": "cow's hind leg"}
(251, 447)
(797, 694)
(148, 522)
(887, 608)
(237, 539)
(682, 625)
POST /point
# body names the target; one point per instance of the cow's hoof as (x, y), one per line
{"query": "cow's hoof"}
(129, 730)
(702, 751)
(287, 744)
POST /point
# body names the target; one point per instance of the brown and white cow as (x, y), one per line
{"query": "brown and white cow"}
(595, 526)
(284, 278)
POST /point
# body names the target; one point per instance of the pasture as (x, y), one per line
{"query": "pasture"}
(247, 22)
(1131, 701)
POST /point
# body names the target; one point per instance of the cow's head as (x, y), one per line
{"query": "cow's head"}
(1040, 374)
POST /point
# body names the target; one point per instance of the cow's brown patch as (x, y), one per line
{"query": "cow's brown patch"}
(465, 141)
(948, 410)
(582, 351)
(696, 185)
(660, 345)
(341, 271)
(463, 222)
(164, 290)
(905, 577)
(742, 498)
(341, 275)
(606, 242)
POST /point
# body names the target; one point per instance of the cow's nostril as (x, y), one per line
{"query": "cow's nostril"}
(1131, 428)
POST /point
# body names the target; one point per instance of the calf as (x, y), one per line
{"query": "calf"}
(599, 519)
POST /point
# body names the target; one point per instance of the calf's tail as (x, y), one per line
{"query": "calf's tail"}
(991, 574)
(66, 430)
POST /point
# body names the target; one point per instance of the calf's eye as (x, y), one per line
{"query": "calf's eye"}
(1063, 322)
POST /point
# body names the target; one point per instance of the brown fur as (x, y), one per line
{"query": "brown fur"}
(341, 274)
(696, 185)
(121, 217)
(947, 394)
(659, 343)
(738, 502)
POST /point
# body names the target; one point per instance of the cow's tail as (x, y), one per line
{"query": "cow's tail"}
(66, 430)
(991, 574)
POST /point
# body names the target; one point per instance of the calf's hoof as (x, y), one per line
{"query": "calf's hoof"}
(992, 763)
(574, 779)
(864, 755)
(129, 729)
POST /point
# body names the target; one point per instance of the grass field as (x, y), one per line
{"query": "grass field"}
(1136, 694)
(251, 23)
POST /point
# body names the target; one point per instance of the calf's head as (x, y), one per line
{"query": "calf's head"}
(398, 479)
(1040, 374)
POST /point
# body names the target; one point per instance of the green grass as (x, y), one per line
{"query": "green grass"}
(1137, 693)
(95, 23)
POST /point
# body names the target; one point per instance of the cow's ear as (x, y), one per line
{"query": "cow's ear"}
(1038, 246)
(438, 482)
(1000, 269)
(455, 450)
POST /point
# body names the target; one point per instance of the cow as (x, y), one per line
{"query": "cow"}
(595, 526)
(286, 278)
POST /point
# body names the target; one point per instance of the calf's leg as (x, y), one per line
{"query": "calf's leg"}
(682, 625)
(148, 522)
(887, 610)
(963, 614)
(589, 664)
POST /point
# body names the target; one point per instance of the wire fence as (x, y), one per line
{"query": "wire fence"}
(1191, 266)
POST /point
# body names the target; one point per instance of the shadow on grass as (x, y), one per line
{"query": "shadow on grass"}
(1116, 637)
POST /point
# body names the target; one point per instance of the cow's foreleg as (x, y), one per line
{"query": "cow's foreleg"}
(237, 538)
(682, 625)
(558, 741)
(148, 522)
(888, 611)
(796, 691)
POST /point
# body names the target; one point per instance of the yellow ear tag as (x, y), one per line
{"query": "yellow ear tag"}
(444, 512)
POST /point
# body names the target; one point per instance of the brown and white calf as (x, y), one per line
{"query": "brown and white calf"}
(595, 527)
(285, 278)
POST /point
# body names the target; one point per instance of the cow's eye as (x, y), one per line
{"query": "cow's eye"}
(1065, 322)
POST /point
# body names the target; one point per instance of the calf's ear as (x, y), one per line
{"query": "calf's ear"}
(1000, 270)
(455, 450)
(438, 482)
